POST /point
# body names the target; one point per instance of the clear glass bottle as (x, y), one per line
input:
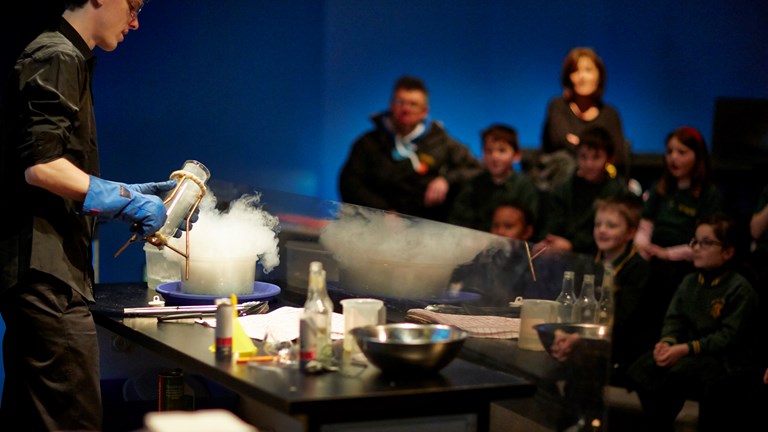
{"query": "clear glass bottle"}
(585, 308)
(325, 345)
(566, 298)
(315, 322)
(606, 305)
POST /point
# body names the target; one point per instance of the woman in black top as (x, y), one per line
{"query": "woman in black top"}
(583, 79)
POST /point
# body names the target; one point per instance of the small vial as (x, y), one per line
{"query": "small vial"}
(224, 324)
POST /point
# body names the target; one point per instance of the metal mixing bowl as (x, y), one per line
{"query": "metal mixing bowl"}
(562, 339)
(408, 347)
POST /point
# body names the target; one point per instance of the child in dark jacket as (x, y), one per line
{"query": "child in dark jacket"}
(571, 205)
(706, 345)
(616, 222)
(478, 198)
(502, 272)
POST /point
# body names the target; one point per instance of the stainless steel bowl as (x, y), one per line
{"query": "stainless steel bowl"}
(563, 340)
(408, 347)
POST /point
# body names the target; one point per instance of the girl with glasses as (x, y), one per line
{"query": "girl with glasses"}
(706, 348)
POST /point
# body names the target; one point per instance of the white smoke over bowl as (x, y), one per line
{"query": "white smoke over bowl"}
(224, 246)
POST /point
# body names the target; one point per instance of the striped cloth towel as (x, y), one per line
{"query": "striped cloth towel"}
(483, 326)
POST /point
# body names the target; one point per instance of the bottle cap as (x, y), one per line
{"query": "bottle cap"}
(157, 302)
(222, 300)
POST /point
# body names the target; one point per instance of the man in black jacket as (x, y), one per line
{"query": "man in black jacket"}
(407, 163)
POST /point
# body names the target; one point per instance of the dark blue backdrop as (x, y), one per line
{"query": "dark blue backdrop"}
(273, 93)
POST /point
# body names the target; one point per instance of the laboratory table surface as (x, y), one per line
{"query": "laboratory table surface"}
(355, 393)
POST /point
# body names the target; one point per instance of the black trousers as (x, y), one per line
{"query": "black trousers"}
(726, 398)
(51, 358)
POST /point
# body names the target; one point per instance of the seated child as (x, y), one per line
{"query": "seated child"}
(512, 221)
(684, 194)
(477, 199)
(706, 345)
(571, 214)
(502, 272)
(616, 221)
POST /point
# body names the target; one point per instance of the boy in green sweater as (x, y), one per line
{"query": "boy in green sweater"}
(570, 219)
(478, 198)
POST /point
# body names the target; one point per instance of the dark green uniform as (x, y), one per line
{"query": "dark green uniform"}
(632, 333)
(572, 210)
(674, 215)
(714, 314)
(477, 200)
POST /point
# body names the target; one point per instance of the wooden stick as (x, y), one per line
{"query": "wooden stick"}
(530, 260)
(539, 252)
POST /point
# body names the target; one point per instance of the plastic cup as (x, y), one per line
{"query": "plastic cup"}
(534, 312)
(360, 312)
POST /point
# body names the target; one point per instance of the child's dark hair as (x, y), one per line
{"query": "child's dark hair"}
(724, 227)
(597, 138)
(508, 201)
(731, 234)
(500, 132)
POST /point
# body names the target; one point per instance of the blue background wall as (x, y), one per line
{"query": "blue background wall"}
(273, 93)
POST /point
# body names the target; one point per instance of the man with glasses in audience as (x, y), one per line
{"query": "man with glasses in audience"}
(407, 163)
(53, 195)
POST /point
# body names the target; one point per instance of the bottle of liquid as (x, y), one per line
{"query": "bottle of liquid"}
(606, 306)
(315, 322)
(585, 308)
(325, 345)
(566, 298)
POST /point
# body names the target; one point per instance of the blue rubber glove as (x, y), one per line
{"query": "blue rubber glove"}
(161, 189)
(111, 200)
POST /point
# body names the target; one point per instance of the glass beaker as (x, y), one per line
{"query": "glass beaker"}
(181, 201)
